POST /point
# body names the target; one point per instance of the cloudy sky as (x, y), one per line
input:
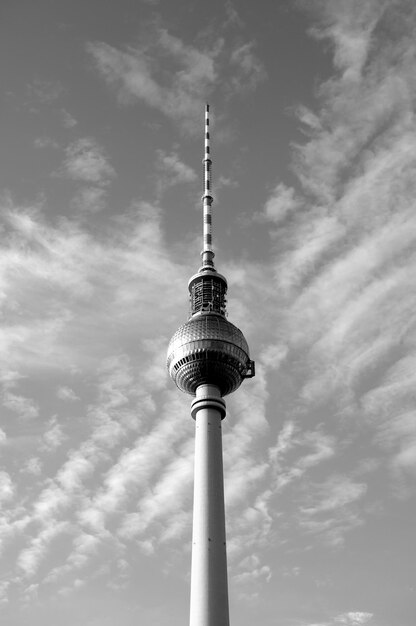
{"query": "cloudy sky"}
(314, 146)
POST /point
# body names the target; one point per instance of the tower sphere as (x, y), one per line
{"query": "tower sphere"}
(208, 350)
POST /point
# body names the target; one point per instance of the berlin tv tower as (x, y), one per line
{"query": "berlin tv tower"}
(208, 357)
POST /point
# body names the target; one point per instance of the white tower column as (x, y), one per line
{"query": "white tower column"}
(209, 588)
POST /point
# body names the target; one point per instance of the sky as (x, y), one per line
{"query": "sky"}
(314, 170)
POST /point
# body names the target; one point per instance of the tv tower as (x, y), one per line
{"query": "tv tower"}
(208, 357)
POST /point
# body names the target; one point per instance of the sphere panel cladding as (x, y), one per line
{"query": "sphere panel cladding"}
(208, 349)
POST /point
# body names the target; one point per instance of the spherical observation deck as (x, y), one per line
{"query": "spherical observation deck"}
(209, 350)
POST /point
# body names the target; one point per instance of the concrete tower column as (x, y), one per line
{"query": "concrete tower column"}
(209, 588)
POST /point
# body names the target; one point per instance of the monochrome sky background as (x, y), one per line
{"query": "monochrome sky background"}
(314, 149)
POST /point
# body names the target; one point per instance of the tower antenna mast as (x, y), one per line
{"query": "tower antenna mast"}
(207, 199)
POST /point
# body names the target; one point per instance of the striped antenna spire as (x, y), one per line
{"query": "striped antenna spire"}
(207, 200)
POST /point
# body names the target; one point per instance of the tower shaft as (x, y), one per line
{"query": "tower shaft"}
(209, 588)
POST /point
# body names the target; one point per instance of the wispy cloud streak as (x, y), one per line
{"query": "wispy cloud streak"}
(136, 72)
